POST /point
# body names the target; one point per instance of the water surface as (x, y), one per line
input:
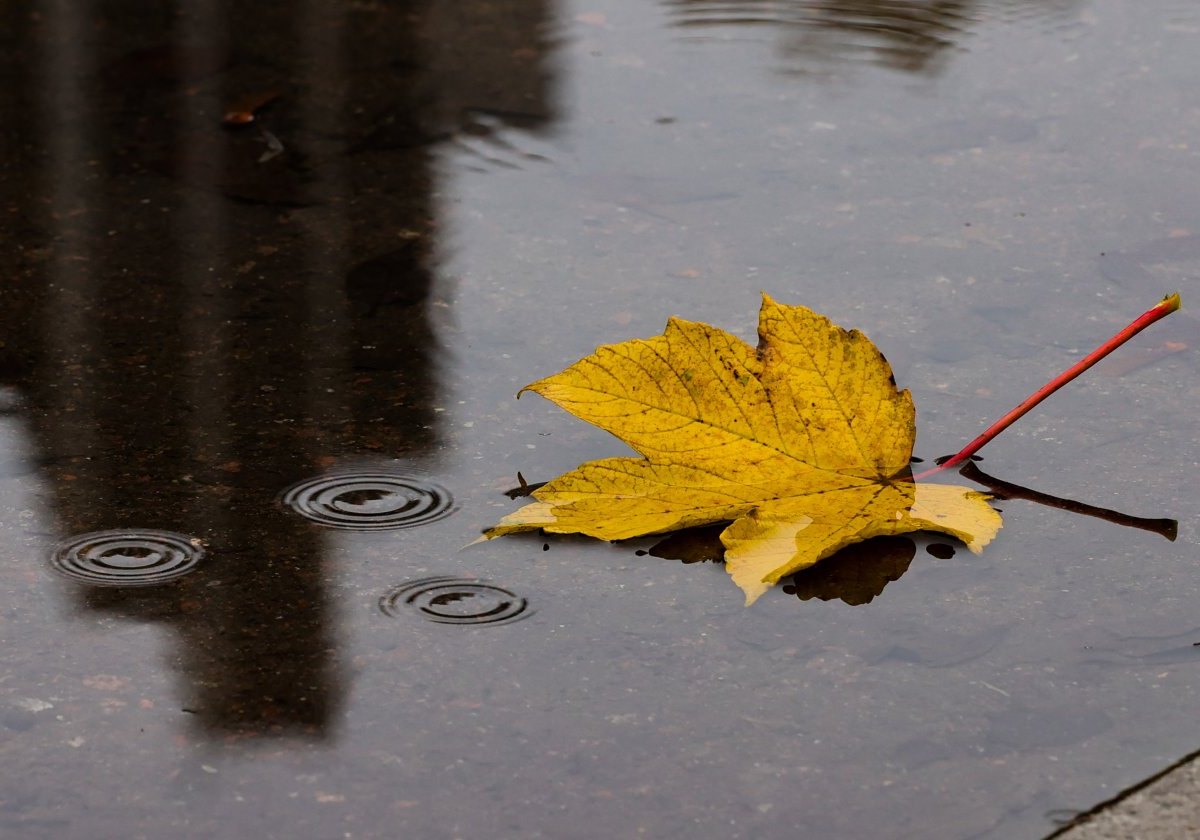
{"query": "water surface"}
(418, 208)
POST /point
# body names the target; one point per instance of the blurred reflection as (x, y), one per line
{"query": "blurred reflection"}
(913, 36)
(200, 314)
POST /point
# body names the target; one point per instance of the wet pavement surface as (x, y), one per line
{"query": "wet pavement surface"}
(273, 272)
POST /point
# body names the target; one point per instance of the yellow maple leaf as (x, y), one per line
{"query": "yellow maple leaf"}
(803, 444)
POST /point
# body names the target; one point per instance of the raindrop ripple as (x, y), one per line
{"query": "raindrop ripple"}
(135, 557)
(369, 501)
(454, 600)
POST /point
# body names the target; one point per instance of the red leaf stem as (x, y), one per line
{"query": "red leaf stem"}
(1165, 307)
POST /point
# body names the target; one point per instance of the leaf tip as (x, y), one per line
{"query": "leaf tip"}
(753, 595)
(1171, 302)
(538, 387)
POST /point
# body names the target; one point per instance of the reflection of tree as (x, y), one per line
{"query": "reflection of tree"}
(909, 35)
(200, 323)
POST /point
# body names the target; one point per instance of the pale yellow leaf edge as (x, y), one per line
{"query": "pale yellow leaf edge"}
(972, 506)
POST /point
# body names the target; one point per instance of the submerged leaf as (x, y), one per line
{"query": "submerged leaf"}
(802, 443)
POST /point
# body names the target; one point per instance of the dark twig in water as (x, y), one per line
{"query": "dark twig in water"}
(1168, 528)
(525, 488)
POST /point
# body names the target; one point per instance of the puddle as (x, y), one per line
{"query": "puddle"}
(321, 247)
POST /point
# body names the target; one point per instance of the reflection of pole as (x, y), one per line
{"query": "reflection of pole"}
(164, 354)
(322, 74)
(201, 222)
(1168, 528)
(69, 327)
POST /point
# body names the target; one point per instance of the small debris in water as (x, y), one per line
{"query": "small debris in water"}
(246, 110)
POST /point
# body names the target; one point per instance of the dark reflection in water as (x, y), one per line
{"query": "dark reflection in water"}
(999, 489)
(695, 545)
(201, 311)
(913, 36)
(857, 573)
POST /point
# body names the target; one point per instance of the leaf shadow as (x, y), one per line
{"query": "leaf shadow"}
(856, 574)
(859, 573)
(692, 545)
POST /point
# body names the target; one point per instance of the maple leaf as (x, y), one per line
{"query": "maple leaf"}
(803, 444)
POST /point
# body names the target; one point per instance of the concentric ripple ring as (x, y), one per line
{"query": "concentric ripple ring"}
(369, 500)
(135, 557)
(454, 600)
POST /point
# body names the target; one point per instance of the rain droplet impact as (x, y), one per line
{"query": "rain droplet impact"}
(369, 501)
(142, 557)
(453, 600)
